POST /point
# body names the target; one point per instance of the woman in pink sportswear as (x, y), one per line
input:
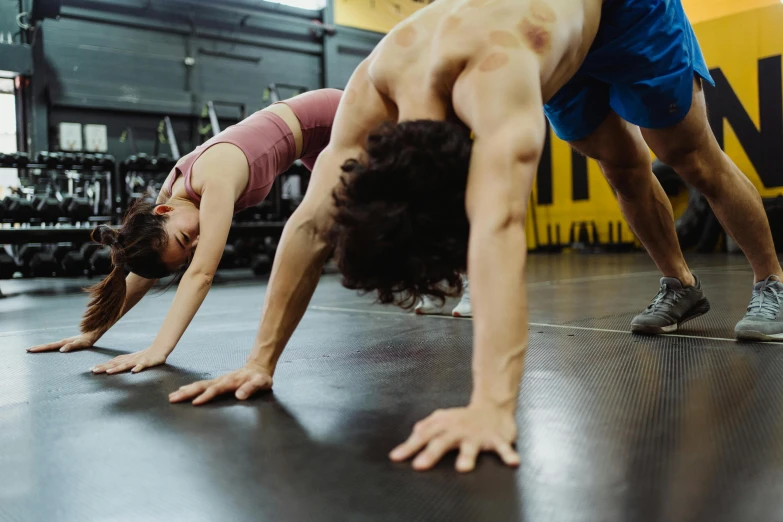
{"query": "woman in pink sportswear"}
(190, 222)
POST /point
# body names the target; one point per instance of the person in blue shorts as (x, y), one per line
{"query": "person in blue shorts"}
(641, 85)
(430, 165)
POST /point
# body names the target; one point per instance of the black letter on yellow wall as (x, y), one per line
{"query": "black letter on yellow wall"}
(764, 146)
(579, 189)
(544, 175)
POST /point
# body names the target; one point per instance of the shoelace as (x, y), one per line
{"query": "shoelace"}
(766, 302)
(666, 297)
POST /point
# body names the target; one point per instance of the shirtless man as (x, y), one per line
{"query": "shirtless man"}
(613, 76)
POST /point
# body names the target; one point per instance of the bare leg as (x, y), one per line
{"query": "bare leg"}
(624, 158)
(691, 150)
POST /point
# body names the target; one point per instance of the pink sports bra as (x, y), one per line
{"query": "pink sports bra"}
(269, 144)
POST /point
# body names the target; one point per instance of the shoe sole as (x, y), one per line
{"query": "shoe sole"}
(756, 336)
(658, 330)
(427, 312)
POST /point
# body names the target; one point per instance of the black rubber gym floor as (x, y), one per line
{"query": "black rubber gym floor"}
(613, 427)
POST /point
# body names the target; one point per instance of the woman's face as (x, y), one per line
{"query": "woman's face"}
(183, 230)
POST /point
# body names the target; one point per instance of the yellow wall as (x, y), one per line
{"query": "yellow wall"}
(702, 10)
(381, 15)
(375, 15)
(759, 34)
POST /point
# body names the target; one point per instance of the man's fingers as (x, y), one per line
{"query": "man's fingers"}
(467, 457)
(433, 453)
(209, 394)
(213, 391)
(189, 391)
(408, 448)
(139, 367)
(507, 453)
(252, 386)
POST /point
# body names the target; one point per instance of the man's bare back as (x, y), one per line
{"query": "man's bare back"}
(420, 62)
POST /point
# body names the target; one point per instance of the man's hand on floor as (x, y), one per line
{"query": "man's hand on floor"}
(470, 430)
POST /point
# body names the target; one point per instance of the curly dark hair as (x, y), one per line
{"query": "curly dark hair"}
(401, 228)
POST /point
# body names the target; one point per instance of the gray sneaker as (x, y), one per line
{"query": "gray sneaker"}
(674, 305)
(764, 321)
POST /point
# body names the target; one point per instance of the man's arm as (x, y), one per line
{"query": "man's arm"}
(503, 107)
(303, 247)
(509, 128)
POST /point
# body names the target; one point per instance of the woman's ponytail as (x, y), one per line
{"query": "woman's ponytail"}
(107, 297)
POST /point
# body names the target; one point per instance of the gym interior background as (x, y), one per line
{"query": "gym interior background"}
(140, 83)
(98, 98)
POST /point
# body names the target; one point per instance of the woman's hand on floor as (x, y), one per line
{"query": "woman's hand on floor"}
(69, 344)
(243, 382)
(135, 362)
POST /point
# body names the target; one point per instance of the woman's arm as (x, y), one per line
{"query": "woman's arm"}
(215, 216)
(217, 205)
(136, 288)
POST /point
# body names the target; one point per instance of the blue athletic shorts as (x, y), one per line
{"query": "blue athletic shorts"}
(641, 65)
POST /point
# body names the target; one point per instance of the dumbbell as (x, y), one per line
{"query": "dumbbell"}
(12, 158)
(88, 161)
(106, 161)
(229, 258)
(26, 254)
(20, 210)
(142, 160)
(262, 264)
(27, 251)
(131, 162)
(65, 203)
(54, 159)
(69, 160)
(42, 264)
(8, 266)
(21, 159)
(245, 247)
(88, 249)
(77, 208)
(70, 261)
(73, 264)
(47, 209)
(100, 261)
(162, 162)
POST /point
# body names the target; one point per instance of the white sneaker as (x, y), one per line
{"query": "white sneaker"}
(428, 306)
(464, 308)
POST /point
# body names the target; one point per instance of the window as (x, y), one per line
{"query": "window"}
(313, 5)
(8, 177)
